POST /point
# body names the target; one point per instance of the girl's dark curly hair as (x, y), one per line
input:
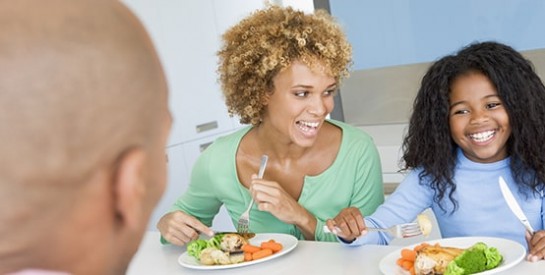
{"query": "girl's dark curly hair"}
(428, 143)
(269, 40)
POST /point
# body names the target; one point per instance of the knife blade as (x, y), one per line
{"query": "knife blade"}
(514, 206)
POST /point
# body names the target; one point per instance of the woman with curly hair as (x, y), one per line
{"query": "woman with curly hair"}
(279, 70)
(478, 115)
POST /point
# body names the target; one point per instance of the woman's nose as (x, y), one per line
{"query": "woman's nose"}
(318, 107)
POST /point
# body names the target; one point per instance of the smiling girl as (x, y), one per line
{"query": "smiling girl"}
(478, 115)
(279, 71)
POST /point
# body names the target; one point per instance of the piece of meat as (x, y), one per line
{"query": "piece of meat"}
(432, 260)
(232, 242)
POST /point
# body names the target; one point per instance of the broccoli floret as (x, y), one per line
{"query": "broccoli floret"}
(215, 241)
(195, 247)
(493, 257)
(475, 259)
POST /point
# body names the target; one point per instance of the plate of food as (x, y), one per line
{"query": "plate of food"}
(231, 250)
(487, 254)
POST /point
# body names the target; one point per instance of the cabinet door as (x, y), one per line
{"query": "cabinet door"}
(186, 38)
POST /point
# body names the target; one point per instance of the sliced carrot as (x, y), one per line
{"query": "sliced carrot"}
(250, 248)
(261, 254)
(247, 256)
(408, 254)
(407, 265)
(272, 245)
(400, 262)
(412, 271)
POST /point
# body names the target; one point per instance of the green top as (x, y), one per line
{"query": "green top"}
(354, 179)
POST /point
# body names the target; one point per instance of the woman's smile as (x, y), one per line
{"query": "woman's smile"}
(309, 129)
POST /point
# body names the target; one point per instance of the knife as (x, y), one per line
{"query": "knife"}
(514, 206)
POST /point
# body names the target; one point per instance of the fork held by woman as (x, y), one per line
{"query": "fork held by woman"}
(244, 220)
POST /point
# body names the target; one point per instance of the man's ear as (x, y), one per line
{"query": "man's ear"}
(130, 188)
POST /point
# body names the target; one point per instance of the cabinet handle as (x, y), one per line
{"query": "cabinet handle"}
(203, 146)
(207, 126)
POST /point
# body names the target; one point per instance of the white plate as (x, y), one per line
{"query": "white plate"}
(288, 242)
(512, 252)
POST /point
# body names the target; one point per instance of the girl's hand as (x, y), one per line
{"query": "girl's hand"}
(271, 197)
(536, 246)
(180, 228)
(348, 224)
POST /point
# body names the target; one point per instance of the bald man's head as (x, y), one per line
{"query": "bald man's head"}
(78, 85)
(83, 125)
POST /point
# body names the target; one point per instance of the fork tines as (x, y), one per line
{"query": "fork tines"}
(410, 230)
(242, 226)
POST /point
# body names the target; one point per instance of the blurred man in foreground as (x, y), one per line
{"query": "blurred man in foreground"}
(83, 127)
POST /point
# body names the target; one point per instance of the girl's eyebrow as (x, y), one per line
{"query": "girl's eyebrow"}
(456, 103)
(493, 95)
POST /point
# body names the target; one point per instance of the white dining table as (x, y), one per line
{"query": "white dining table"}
(308, 257)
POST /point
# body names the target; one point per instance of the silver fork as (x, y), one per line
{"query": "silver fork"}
(244, 220)
(404, 230)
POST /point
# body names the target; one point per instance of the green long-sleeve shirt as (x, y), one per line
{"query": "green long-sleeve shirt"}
(354, 179)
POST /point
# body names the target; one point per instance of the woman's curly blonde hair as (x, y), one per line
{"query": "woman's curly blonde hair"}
(255, 50)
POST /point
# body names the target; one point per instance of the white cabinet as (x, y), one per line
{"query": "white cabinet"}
(186, 37)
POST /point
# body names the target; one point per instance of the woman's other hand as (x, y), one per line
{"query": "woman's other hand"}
(180, 228)
(348, 224)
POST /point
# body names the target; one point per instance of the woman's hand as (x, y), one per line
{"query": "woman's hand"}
(271, 197)
(536, 246)
(348, 224)
(180, 228)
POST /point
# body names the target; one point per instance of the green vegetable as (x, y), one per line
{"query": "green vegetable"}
(475, 259)
(195, 247)
(215, 241)
(493, 257)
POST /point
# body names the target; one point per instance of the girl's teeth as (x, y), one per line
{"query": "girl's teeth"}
(483, 136)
